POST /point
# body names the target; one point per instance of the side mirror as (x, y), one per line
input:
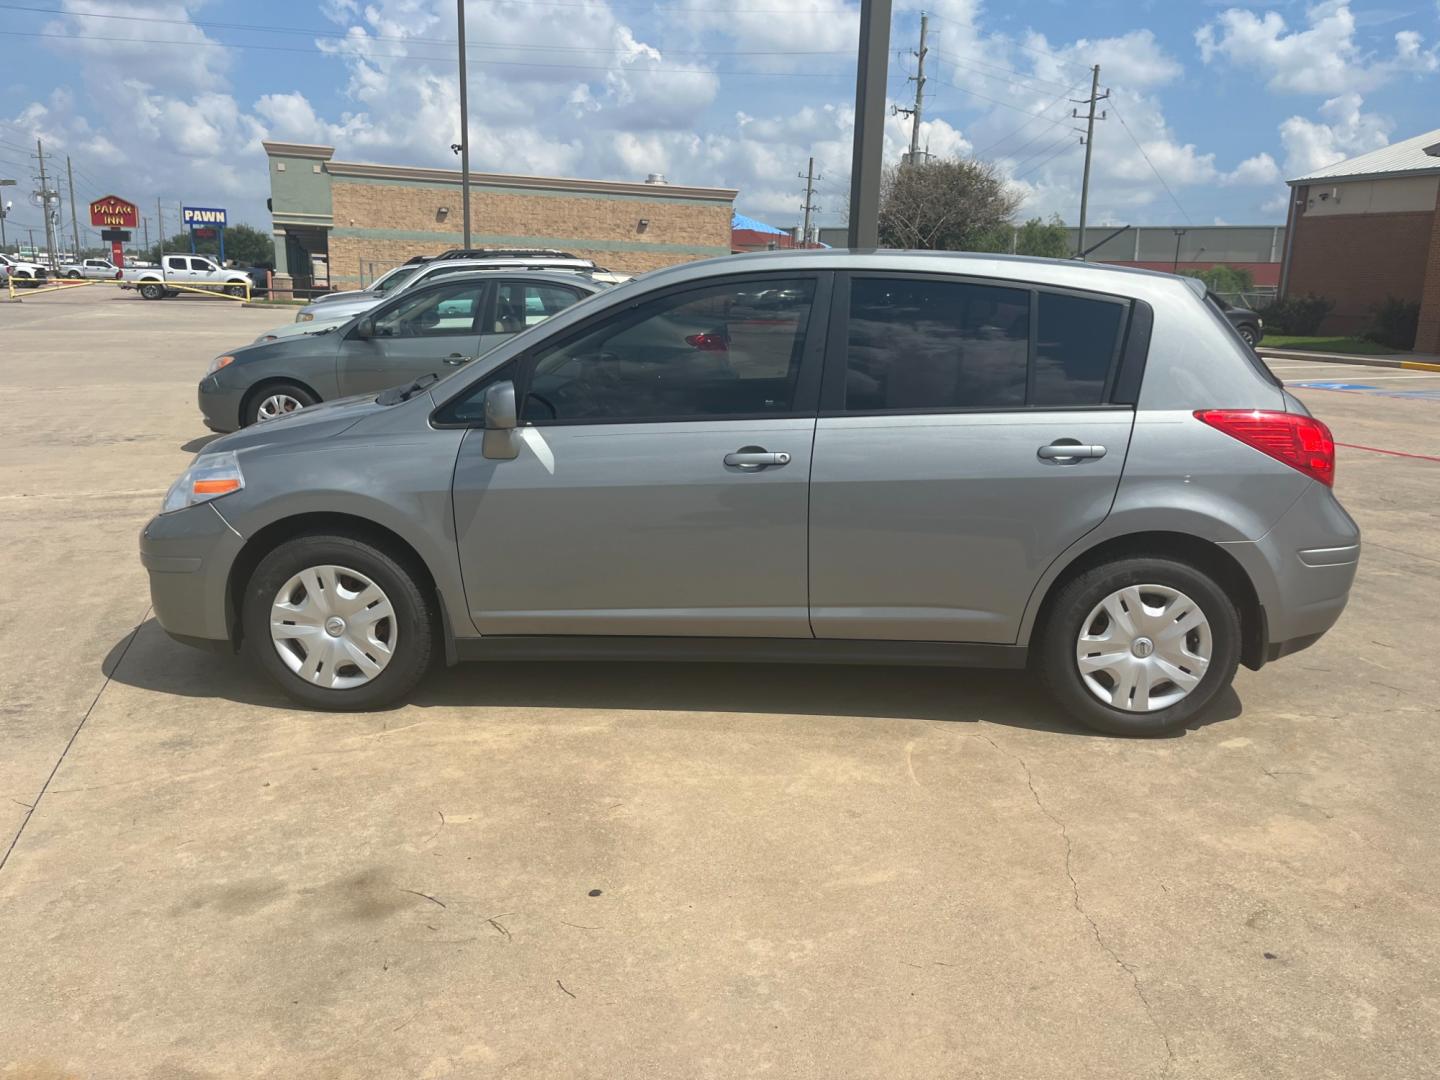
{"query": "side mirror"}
(501, 418)
(365, 329)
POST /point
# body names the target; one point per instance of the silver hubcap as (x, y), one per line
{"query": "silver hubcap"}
(277, 405)
(1144, 648)
(333, 627)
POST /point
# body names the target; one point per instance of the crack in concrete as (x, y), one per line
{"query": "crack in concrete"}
(1105, 946)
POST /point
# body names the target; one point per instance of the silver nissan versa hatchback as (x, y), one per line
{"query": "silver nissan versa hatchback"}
(867, 457)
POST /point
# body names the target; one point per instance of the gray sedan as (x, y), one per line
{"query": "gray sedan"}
(428, 330)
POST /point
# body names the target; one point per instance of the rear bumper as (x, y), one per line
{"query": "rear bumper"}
(1302, 570)
(188, 555)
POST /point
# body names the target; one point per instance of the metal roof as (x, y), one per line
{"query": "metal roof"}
(1418, 156)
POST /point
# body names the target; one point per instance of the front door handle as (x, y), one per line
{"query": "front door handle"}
(455, 359)
(755, 458)
(1065, 451)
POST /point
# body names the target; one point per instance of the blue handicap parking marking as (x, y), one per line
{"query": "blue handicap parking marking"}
(1320, 384)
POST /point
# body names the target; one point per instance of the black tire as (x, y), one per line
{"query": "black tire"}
(250, 411)
(1249, 333)
(414, 620)
(235, 290)
(73, 275)
(152, 291)
(1072, 605)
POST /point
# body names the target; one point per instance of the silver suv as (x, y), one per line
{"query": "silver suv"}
(887, 457)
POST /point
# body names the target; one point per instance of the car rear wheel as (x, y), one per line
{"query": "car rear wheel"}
(1139, 646)
(274, 400)
(338, 623)
(151, 291)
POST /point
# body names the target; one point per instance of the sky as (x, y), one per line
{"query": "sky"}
(1211, 105)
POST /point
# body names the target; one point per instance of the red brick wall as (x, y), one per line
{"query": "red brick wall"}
(1428, 339)
(1358, 260)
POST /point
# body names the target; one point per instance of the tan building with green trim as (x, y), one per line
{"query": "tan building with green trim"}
(361, 219)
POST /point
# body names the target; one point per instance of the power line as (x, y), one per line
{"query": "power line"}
(971, 60)
(1048, 55)
(1150, 163)
(1038, 115)
(435, 59)
(346, 36)
(1064, 149)
(1005, 104)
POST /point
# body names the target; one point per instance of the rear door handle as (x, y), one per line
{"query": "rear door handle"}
(455, 359)
(1063, 451)
(754, 458)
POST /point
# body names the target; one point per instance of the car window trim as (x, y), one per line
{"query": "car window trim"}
(807, 385)
(832, 398)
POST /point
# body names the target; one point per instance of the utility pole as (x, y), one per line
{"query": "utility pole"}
(45, 194)
(464, 124)
(159, 227)
(145, 223)
(809, 207)
(74, 222)
(1094, 98)
(913, 158)
(868, 152)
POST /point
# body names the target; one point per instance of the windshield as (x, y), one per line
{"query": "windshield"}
(387, 283)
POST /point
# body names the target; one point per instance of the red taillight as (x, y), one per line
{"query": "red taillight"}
(1302, 442)
(708, 342)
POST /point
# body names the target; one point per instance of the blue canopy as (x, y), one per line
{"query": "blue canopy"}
(740, 221)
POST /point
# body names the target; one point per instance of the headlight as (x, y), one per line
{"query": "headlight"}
(218, 363)
(305, 316)
(208, 477)
(1260, 322)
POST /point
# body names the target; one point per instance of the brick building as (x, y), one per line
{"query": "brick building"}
(1367, 229)
(353, 221)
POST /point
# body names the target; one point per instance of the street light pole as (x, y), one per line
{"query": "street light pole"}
(464, 124)
(4, 211)
(1175, 266)
(867, 156)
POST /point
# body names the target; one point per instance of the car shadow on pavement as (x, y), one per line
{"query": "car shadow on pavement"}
(956, 695)
(195, 445)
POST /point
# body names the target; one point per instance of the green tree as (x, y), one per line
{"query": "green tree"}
(948, 205)
(1048, 239)
(1224, 279)
(244, 244)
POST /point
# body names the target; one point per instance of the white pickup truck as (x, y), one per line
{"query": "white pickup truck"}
(91, 269)
(21, 273)
(191, 271)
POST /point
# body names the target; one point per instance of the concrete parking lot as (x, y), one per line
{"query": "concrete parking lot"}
(582, 870)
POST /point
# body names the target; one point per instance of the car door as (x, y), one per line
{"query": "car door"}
(420, 332)
(177, 269)
(661, 480)
(969, 432)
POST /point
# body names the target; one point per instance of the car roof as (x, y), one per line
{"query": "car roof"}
(1062, 272)
(540, 277)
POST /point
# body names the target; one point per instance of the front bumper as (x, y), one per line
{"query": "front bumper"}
(219, 405)
(188, 555)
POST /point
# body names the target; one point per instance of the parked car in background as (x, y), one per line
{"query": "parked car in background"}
(1247, 323)
(91, 269)
(883, 457)
(190, 271)
(333, 306)
(23, 273)
(427, 330)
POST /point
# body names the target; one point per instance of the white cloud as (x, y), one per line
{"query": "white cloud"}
(1253, 171)
(1344, 131)
(1322, 59)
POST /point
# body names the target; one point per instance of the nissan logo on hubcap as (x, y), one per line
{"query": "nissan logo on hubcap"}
(1143, 647)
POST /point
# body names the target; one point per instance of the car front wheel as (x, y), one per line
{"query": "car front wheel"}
(338, 623)
(1248, 333)
(274, 400)
(1139, 646)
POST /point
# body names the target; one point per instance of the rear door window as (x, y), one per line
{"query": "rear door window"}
(1075, 348)
(930, 344)
(917, 344)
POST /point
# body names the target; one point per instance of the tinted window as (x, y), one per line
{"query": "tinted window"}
(203, 265)
(729, 350)
(519, 306)
(1077, 342)
(434, 313)
(917, 344)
